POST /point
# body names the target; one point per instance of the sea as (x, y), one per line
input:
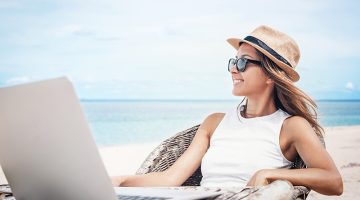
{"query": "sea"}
(120, 122)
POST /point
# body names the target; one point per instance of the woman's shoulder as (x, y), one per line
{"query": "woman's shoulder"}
(212, 121)
(295, 122)
(216, 115)
(215, 118)
(295, 126)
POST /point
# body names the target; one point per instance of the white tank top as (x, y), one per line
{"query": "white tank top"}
(240, 146)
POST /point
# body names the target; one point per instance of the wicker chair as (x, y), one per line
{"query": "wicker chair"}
(163, 156)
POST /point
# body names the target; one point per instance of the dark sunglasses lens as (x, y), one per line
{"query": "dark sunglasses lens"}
(231, 63)
(241, 63)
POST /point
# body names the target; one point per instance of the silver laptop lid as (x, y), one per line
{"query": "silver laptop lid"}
(46, 149)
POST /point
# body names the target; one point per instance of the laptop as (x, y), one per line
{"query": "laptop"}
(47, 150)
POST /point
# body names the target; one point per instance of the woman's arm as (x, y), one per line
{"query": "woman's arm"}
(183, 167)
(321, 175)
(150, 179)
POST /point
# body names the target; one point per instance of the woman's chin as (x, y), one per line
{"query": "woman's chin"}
(237, 93)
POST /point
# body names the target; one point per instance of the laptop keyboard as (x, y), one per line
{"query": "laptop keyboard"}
(131, 197)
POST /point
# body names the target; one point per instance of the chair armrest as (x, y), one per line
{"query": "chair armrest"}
(300, 192)
(164, 155)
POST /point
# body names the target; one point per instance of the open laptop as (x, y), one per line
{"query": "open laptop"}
(47, 151)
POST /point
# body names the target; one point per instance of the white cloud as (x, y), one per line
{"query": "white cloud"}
(72, 29)
(350, 86)
(18, 80)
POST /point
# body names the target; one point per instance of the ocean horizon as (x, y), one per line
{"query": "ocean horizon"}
(127, 121)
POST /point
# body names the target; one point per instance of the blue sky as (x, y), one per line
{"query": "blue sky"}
(162, 49)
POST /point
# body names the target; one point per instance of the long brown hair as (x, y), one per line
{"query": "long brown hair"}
(288, 97)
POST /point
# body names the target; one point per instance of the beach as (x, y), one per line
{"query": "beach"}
(343, 144)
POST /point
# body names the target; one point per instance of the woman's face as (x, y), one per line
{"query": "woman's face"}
(253, 80)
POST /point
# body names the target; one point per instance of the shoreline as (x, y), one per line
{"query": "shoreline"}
(342, 143)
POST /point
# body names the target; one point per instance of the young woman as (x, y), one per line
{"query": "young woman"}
(256, 142)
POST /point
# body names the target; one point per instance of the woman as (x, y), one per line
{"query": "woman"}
(255, 143)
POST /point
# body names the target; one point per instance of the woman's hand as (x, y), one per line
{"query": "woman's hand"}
(260, 178)
(117, 180)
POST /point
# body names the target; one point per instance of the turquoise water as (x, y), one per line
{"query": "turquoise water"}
(126, 122)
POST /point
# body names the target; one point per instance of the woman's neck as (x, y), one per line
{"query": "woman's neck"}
(259, 107)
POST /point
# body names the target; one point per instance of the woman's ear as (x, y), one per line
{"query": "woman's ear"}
(269, 81)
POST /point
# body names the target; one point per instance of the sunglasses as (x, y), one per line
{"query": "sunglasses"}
(240, 63)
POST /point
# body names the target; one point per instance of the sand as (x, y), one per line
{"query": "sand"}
(343, 144)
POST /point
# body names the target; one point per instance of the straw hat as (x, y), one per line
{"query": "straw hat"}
(276, 45)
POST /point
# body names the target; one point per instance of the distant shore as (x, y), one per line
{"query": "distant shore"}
(342, 142)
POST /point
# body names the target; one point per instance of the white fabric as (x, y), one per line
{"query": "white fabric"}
(239, 147)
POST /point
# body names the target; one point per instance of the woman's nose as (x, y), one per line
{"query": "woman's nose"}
(233, 70)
